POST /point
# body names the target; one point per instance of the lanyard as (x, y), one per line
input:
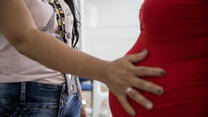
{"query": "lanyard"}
(61, 24)
(60, 18)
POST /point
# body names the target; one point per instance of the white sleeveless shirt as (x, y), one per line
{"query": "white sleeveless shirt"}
(15, 67)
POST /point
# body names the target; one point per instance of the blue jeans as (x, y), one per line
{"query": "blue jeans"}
(38, 100)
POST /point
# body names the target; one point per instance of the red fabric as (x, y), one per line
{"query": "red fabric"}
(176, 34)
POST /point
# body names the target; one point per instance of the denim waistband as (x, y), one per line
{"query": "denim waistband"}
(33, 88)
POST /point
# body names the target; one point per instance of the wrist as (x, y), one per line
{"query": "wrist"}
(103, 75)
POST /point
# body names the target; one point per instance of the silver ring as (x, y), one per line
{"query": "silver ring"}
(128, 90)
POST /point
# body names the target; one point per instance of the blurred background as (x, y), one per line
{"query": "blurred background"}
(109, 29)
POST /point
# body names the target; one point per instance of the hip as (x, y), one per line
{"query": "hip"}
(37, 100)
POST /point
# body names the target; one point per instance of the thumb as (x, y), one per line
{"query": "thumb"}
(135, 58)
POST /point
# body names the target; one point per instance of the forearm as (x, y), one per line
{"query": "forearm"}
(54, 54)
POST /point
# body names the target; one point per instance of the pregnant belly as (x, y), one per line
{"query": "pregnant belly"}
(185, 84)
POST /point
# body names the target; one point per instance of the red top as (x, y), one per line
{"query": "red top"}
(176, 34)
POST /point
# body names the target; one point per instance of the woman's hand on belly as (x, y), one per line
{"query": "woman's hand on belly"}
(122, 87)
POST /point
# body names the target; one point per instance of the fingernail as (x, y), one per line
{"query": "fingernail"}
(162, 73)
(144, 50)
(149, 106)
(133, 114)
(160, 91)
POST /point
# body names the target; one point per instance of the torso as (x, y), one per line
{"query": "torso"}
(16, 67)
(176, 34)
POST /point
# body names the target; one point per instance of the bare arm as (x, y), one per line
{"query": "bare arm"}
(17, 25)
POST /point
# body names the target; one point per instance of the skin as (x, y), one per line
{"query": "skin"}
(17, 25)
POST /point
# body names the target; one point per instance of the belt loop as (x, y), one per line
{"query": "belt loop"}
(63, 91)
(61, 100)
(23, 93)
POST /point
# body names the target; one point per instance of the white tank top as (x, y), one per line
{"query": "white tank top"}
(15, 67)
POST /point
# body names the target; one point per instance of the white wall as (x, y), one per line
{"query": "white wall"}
(109, 27)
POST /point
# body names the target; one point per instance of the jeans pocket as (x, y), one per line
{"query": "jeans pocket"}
(6, 110)
(3, 112)
(73, 107)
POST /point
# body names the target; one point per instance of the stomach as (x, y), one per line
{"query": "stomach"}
(186, 81)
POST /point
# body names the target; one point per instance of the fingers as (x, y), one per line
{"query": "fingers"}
(140, 99)
(134, 58)
(143, 71)
(147, 86)
(126, 105)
